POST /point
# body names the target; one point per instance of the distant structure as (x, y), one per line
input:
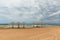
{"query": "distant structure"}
(17, 24)
(23, 24)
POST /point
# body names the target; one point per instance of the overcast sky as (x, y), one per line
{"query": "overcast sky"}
(30, 11)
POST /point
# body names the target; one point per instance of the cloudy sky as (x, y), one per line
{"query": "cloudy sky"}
(30, 11)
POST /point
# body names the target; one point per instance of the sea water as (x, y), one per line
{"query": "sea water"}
(23, 25)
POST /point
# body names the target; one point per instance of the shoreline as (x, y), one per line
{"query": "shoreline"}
(10, 27)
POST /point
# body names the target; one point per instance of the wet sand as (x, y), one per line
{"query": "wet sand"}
(43, 33)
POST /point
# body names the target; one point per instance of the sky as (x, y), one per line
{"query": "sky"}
(30, 11)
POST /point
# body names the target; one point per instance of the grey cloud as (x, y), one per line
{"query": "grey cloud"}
(37, 10)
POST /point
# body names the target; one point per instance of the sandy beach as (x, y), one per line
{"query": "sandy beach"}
(44, 33)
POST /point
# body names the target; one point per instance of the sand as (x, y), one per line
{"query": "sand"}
(44, 33)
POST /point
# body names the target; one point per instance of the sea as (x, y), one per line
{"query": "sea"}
(9, 25)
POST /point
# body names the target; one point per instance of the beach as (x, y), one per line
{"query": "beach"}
(42, 33)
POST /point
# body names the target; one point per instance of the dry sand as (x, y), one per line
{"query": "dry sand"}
(44, 33)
